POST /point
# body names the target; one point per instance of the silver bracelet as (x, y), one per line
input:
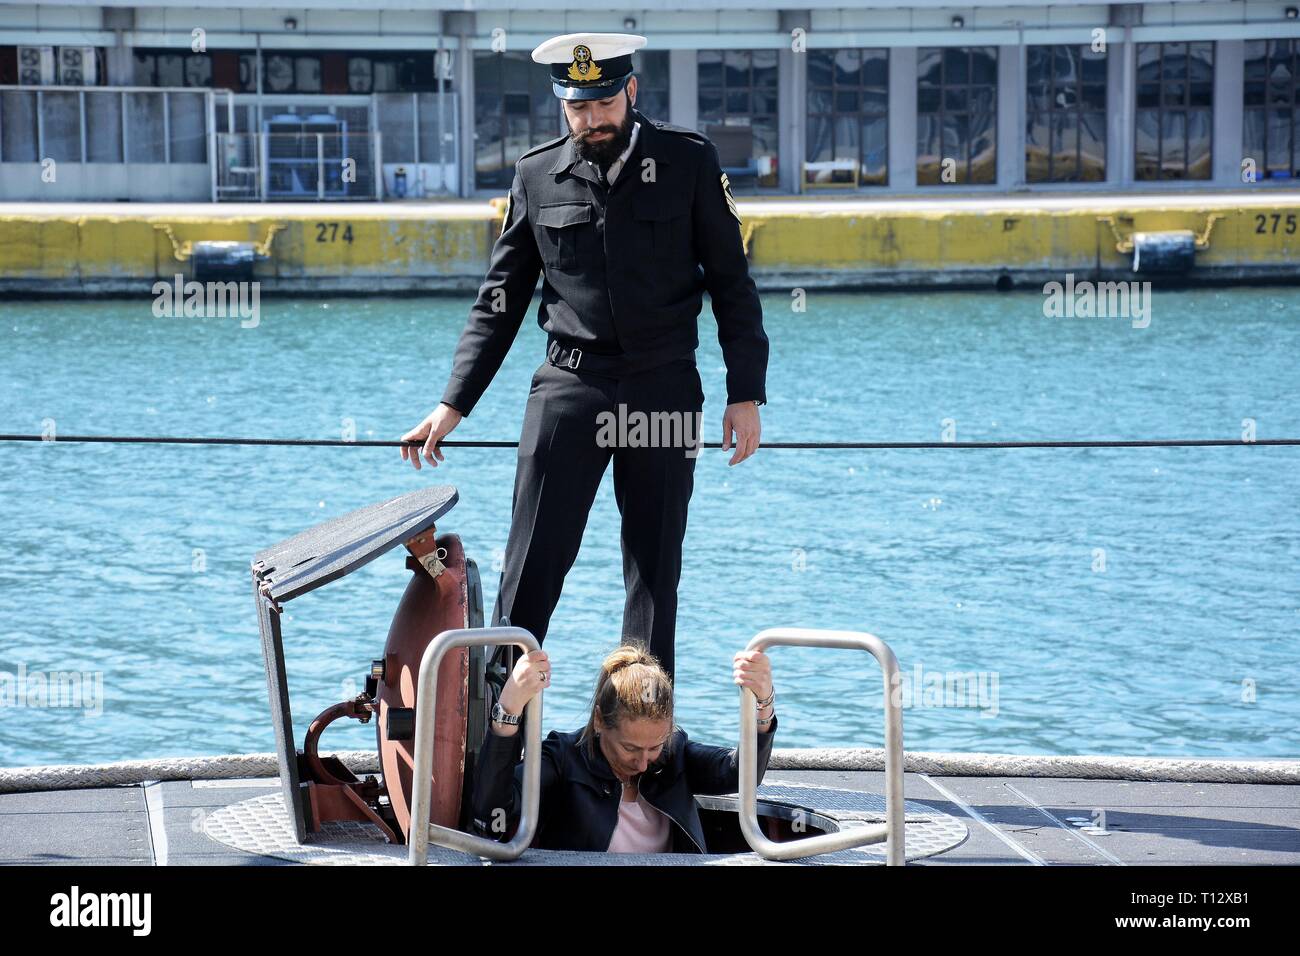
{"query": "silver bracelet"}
(770, 698)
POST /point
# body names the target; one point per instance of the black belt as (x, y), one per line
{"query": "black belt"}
(578, 360)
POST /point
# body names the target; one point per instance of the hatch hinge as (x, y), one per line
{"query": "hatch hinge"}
(424, 549)
(260, 571)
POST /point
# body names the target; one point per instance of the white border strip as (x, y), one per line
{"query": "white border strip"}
(1068, 829)
(153, 803)
(975, 815)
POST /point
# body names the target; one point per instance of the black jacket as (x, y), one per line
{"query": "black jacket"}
(624, 267)
(580, 794)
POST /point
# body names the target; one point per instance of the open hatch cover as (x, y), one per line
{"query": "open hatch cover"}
(339, 546)
(307, 560)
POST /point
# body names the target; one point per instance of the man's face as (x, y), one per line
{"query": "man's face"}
(601, 129)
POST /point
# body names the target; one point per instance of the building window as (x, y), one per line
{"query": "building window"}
(738, 112)
(848, 124)
(956, 115)
(396, 72)
(1272, 102)
(1175, 110)
(1065, 125)
(515, 109)
(171, 68)
(651, 70)
(290, 72)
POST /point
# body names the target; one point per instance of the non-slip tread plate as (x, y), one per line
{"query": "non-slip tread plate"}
(259, 825)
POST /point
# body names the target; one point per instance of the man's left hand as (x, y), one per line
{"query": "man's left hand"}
(742, 420)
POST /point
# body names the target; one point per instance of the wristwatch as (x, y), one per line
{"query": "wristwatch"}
(499, 715)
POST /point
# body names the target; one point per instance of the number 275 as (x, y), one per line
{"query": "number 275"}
(1262, 221)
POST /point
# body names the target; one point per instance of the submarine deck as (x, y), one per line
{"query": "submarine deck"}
(1014, 821)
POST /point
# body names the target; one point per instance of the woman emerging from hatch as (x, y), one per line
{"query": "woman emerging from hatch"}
(627, 781)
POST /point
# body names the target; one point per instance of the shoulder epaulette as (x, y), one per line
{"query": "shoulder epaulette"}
(668, 127)
(549, 144)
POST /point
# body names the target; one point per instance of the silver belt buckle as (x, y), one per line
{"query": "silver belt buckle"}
(574, 358)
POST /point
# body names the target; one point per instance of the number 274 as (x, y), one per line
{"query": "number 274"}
(329, 232)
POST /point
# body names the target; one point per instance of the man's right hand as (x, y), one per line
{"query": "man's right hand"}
(440, 423)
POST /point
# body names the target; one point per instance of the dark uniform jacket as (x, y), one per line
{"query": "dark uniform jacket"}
(578, 809)
(624, 267)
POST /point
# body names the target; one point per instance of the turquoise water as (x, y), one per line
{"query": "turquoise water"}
(1116, 601)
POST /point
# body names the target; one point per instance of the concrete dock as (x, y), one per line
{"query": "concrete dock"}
(924, 242)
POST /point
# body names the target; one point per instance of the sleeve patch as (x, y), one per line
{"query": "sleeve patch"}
(731, 203)
(505, 219)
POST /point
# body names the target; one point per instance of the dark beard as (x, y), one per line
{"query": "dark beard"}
(604, 152)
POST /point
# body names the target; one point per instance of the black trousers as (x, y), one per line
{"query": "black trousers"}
(564, 449)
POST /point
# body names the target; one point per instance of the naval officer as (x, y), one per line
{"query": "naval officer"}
(628, 221)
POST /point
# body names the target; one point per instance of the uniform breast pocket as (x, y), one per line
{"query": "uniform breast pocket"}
(663, 226)
(562, 227)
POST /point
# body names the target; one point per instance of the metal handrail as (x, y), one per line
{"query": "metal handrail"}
(892, 829)
(422, 831)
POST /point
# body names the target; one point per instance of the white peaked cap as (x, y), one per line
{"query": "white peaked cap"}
(603, 46)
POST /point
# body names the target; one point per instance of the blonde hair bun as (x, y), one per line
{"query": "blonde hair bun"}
(631, 686)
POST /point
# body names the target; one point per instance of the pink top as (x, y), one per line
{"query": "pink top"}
(641, 828)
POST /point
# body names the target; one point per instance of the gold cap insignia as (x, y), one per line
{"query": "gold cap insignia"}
(583, 67)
